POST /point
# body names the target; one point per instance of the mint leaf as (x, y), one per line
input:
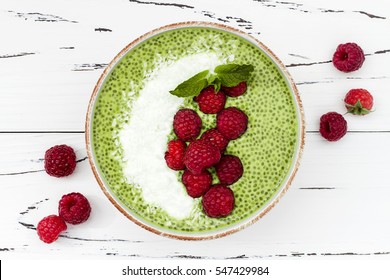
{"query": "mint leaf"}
(231, 75)
(193, 86)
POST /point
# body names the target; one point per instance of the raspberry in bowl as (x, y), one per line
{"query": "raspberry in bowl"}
(131, 121)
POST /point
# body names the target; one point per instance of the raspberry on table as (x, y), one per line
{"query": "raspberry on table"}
(187, 124)
(60, 161)
(229, 169)
(215, 138)
(359, 101)
(209, 101)
(50, 227)
(218, 202)
(232, 122)
(235, 91)
(348, 57)
(201, 155)
(333, 126)
(196, 185)
(74, 208)
(174, 156)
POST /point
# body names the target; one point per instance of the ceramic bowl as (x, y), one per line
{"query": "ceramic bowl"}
(271, 148)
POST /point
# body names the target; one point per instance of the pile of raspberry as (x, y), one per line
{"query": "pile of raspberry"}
(73, 208)
(197, 154)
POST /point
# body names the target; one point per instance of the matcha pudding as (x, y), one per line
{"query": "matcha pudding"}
(129, 124)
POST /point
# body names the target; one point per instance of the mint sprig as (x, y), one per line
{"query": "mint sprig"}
(228, 75)
(215, 81)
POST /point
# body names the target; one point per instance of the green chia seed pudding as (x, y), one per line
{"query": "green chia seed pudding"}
(267, 149)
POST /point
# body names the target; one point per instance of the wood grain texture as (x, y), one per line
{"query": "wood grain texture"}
(327, 212)
(51, 56)
(59, 52)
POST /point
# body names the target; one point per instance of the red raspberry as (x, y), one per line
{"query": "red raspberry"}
(232, 123)
(333, 126)
(50, 227)
(187, 124)
(60, 161)
(229, 169)
(175, 154)
(235, 91)
(201, 155)
(359, 101)
(218, 201)
(74, 208)
(348, 57)
(209, 101)
(197, 185)
(214, 137)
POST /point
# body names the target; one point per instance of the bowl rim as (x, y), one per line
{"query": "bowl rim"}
(293, 168)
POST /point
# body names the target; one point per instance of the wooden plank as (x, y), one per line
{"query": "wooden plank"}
(337, 206)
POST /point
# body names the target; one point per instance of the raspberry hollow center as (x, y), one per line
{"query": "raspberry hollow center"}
(327, 127)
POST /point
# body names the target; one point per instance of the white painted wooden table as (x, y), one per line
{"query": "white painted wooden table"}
(53, 52)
